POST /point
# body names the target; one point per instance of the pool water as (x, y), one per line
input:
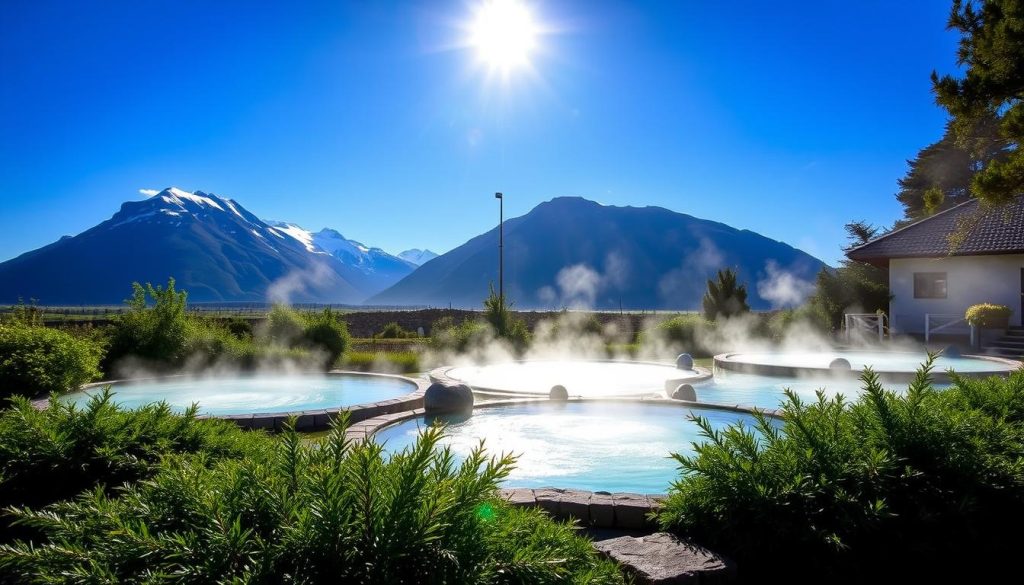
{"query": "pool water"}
(588, 379)
(610, 446)
(768, 392)
(253, 394)
(880, 361)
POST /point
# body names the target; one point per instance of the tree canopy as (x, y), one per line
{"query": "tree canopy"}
(991, 51)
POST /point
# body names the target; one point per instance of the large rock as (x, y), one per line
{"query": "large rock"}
(664, 559)
(442, 398)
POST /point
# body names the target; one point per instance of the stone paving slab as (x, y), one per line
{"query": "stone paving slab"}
(665, 559)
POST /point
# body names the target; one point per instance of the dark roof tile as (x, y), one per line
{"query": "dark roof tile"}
(976, 229)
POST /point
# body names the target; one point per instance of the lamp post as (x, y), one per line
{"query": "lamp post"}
(501, 246)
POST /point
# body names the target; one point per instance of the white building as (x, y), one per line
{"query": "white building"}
(939, 266)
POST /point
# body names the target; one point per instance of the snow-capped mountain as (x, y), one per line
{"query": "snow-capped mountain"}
(212, 246)
(417, 256)
(380, 268)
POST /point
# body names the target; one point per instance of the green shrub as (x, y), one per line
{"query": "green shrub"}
(446, 335)
(333, 512)
(686, 332)
(725, 297)
(51, 455)
(326, 332)
(395, 331)
(406, 362)
(37, 360)
(157, 333)
(284, 325)
(498, 313)
(988, 315)
(240, 328)
(889, 486)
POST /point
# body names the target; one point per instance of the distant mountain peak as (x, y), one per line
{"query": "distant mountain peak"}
(574, 252)
(417, 256)
(215, 248)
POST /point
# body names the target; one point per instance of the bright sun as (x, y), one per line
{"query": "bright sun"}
(503, 33)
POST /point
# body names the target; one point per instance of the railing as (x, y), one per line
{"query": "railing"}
(866, 324)
(935, 322)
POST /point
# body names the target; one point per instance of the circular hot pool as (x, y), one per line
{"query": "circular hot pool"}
(581, 378)
(888, 364)
(615, 446)
(253, 394)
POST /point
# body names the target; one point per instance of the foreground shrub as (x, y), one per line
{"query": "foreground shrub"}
(334, 512)
(888, 486)
(54, 454)
(36, 360)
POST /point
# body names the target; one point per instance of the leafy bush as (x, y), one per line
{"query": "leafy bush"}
(37, 360)
(988, 315)
(888, 486)
(725, 297)
(326, 332)
(54, 454)
(240, 328)
(157, 334)
(685, 332)
(337, 511)
(498, 313)
(284, 325)
(405, 362)
(395, 331)
(447, 335)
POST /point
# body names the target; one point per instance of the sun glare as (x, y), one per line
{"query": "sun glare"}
(503, 33)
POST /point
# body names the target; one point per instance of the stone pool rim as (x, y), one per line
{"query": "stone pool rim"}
(727, 361)
(440, 375)
(305, 420)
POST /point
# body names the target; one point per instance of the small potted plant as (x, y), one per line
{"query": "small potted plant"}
(988, 316)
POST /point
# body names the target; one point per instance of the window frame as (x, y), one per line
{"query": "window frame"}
(925, 289)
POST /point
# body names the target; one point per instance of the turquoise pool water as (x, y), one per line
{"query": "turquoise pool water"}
(610, 446)
(881, 361)
(768, 392)
(254, 394)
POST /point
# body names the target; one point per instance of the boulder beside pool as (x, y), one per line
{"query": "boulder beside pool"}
(684, 361)
(444, 398)
(685, 392)
(840, 364)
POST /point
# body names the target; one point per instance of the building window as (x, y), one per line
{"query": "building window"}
(929, 285)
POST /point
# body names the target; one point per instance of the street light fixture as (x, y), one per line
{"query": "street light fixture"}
(501, 246)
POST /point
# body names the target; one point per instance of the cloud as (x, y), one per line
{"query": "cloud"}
(148, 192)
(783, 289)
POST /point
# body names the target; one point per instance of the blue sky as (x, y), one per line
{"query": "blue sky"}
(786, 118)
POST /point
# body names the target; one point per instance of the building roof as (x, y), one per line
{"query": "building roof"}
(968, 229)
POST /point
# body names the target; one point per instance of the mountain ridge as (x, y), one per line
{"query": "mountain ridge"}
(574, 252)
